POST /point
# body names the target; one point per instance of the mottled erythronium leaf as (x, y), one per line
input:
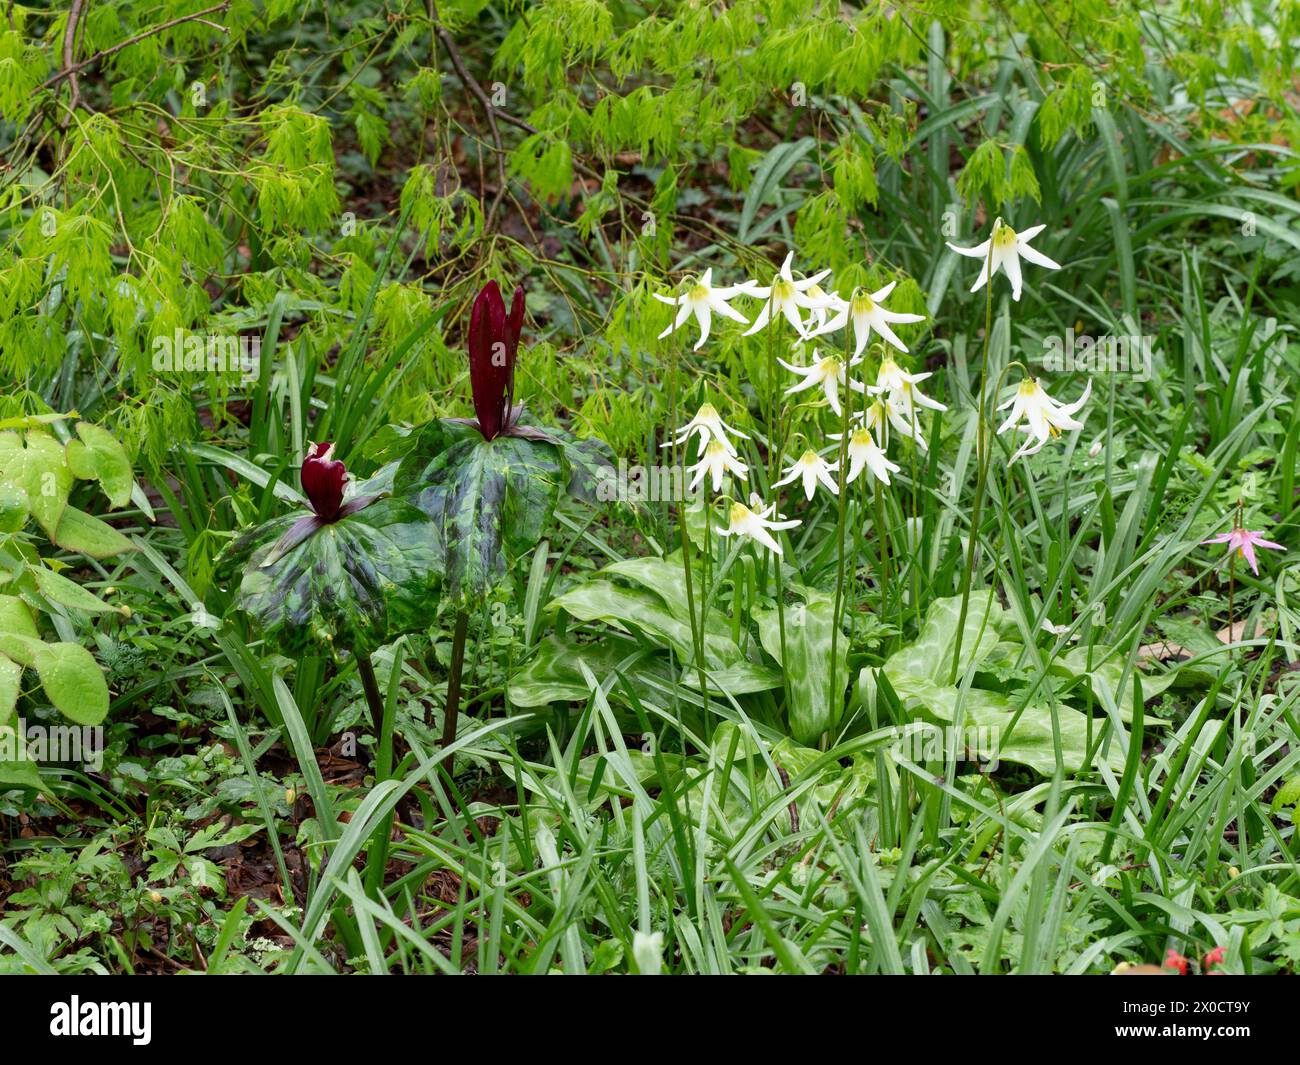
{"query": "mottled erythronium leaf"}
(355, 583)
(37, 463)
(97, 456)
(1103, 669)
(930, 654)
(809, 629)
(996, 728)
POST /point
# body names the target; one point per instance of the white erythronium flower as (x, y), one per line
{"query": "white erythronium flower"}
(812, 468)
(717, 462)
(829, 372)
(893, 409)
(863, 451)
(1044, 417)
(710, 427)
(754, 523)
(866, 314)
(822, 304)
(1009, 247)
(703, 300)
(785, 296)
(901, 386)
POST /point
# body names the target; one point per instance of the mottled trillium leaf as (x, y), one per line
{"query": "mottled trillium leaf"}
(493, 500)
(356, 583)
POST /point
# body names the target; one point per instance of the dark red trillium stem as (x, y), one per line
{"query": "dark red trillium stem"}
(454, 679)
(493, 344)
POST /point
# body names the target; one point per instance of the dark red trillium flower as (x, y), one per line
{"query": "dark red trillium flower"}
(323, 478)
(493, 343)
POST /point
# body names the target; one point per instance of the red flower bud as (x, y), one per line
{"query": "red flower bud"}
(493, 342)
(1215, 957)
(323, 478)
(1174, 960)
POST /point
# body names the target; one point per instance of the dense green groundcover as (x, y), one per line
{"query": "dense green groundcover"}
(754, 593)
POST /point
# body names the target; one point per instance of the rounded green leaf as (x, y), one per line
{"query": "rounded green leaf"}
(73, 682)
(37, 463)
(79, 531)
(98, 456)
(14, 508)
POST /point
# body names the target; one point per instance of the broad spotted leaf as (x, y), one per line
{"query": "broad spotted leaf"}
(809, 630)
(356, 583)
(491, 500)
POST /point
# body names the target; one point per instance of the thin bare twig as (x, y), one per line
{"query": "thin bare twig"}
(490, 112)
(71, 70)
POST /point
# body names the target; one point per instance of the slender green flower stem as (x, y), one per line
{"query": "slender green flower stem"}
(775, 452)
(678, 458)
(835, 694)
(882, 545)
(982, 457)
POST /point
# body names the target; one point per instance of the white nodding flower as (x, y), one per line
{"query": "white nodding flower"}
(866, 314)
(710, 426)
(829, 373)
(822, 304)
(703, 300)
(901, 386)
(1008, 248)
(755, 524)
(717, 462)
(864, 452)
(897, 410)
(786, 296)
(811, 467)
(1043, 416)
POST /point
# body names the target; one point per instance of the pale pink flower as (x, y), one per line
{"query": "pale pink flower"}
(1244, 542)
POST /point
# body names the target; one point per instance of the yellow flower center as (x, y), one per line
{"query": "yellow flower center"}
(739, 512)
(862, 303)
(782, 290)
(809, 458)
(860, 438)
(1003, 235)
(829, 366)
(706, 411)
(698, 293)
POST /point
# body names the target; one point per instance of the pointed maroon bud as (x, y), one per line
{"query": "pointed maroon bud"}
(493, 344)
(323, 478)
